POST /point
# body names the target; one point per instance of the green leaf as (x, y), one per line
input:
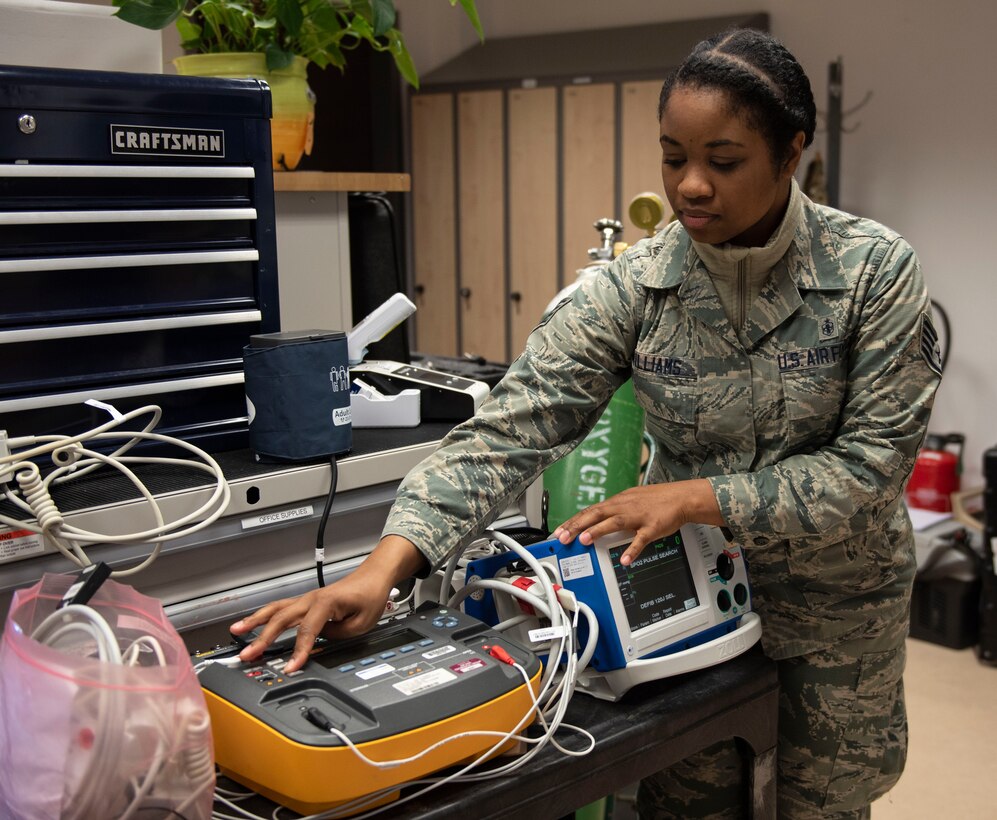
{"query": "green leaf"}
(360, 29)
(278, 58)
(321, 31)
(472, 14)
(153, 14)
(189, 31)
(403, 60)
(290, 15)
(227, 26)
(383, 16)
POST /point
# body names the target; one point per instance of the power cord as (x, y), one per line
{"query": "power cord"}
(320, 538)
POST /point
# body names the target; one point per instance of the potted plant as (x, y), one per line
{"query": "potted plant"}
(275, 40)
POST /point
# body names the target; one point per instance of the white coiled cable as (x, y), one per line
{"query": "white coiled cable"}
(73, 460)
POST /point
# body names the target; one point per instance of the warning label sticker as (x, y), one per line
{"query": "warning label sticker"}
(413, 686)
(20, 544)
(469, 665)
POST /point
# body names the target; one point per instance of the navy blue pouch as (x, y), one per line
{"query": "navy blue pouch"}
(298, 395)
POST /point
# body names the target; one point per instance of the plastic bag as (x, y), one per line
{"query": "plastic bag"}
(101, 713)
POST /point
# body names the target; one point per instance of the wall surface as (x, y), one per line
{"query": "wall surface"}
(917, 157)
(56, 34)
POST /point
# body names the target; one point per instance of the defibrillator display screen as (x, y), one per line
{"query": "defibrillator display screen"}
(658, 585)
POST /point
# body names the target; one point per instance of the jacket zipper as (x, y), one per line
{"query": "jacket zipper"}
(742, 292)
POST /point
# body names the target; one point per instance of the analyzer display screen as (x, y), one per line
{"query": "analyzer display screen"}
(658, 585)
(352, 650)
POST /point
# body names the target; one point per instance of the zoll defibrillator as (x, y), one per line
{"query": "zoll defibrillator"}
(683, 604)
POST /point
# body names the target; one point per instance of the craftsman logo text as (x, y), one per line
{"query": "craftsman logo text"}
(166, 141)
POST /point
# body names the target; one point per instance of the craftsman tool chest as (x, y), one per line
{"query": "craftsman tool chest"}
(137, 249)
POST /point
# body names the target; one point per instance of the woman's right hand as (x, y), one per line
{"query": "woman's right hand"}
(344, 609)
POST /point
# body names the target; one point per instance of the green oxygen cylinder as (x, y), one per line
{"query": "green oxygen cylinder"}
(605, 463)
(608, 459)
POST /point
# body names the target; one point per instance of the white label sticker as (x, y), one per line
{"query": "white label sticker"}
(421, 683)
(577, 566)
(375, 671)
(109, 408)
(276, 517)
(438, 653)
(19, 544)
(549, 633)
(341, 416)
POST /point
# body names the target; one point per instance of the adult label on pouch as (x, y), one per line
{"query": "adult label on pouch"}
(276, 517)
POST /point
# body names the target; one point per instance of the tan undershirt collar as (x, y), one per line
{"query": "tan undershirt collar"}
(725, 262)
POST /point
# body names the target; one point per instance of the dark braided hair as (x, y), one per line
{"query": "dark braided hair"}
(762, 81)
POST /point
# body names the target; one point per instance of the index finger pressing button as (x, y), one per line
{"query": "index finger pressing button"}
(284, 641)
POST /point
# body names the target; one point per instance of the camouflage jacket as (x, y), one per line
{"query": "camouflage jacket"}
(806, 421)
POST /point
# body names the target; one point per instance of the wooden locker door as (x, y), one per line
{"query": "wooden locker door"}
(588, 147)
(640, 165)
(481, 202)
(434, 224)
(533, 279)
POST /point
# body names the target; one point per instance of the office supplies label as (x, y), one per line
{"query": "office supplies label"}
(276, 517)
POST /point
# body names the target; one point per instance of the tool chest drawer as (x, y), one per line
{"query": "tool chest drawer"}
(137, 248)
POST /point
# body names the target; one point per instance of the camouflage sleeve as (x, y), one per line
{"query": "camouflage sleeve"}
(855, 480)
(551, 397)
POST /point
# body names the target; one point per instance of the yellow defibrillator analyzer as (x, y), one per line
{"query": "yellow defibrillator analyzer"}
(391, 694)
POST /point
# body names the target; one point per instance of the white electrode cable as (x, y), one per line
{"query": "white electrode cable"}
(73, 460)
(464, 774)
(77, 628)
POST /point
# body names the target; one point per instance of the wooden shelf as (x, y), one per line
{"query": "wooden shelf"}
(329, 181)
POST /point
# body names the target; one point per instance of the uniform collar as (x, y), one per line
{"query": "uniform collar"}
(724, 260)
(812, 261)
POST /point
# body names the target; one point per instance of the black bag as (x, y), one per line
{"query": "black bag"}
(945, 604)
(987, 648)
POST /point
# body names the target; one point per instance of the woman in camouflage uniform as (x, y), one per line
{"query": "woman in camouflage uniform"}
(785, 358)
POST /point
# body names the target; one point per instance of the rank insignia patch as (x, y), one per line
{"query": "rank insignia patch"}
(930, 349)
(828, 329)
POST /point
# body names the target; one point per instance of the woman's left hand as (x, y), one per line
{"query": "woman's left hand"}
(651, 512)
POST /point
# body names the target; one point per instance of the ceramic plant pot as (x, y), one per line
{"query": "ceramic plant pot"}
(293, 122)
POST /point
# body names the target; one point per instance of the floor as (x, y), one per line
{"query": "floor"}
(952, 760)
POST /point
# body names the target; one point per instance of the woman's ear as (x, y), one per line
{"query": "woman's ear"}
(795, 154)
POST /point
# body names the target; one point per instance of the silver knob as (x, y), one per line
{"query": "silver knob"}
(26, 124)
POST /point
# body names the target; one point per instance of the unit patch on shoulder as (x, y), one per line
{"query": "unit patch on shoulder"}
(931, 351)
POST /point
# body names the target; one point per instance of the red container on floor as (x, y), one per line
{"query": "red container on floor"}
(936, 474)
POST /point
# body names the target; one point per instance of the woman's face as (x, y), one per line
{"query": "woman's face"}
(718, 171)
